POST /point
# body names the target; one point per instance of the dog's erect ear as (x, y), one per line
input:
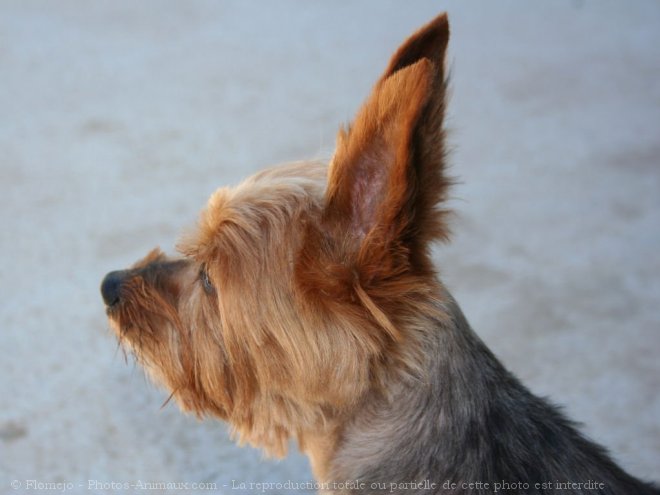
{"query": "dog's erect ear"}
(386, 179)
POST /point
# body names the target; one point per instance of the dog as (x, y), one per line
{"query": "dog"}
(306, 307)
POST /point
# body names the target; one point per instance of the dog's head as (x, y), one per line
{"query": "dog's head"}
(298, 292)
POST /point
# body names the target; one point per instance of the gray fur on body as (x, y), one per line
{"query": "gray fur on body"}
(474, 422)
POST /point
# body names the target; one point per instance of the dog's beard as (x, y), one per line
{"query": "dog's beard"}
(173, 338)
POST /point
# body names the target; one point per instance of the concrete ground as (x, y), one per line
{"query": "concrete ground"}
(118, 119)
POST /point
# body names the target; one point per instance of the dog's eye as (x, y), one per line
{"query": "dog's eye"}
(206, 281)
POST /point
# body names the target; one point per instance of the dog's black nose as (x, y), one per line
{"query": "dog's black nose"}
(111, 286)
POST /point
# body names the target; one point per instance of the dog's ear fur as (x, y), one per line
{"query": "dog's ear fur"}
(386, 180)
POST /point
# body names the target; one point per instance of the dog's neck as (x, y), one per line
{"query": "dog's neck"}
(471, 421)
(375, 442)
(385, 427)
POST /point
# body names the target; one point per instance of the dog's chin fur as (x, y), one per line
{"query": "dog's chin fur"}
(306, 306)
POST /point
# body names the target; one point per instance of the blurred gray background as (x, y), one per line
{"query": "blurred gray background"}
(118, 119)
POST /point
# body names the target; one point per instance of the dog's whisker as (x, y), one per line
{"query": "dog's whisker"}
(169, 398)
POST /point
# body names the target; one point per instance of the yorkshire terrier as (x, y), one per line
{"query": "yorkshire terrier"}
(306, 306)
